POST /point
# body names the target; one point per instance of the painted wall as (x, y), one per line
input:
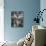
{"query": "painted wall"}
(29, 7)
(43, 6)
(1, 21)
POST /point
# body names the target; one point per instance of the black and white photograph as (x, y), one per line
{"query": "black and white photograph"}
(17, 19)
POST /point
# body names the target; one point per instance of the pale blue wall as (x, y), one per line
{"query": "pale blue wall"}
(43, 6)
(29, 7)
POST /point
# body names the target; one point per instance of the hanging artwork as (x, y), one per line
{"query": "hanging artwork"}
(17, 19)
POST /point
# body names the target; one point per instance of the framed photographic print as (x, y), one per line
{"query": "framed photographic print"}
(17, 19)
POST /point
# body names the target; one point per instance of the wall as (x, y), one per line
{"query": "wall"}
(1, 21)
(29, 7)
(43, 6)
